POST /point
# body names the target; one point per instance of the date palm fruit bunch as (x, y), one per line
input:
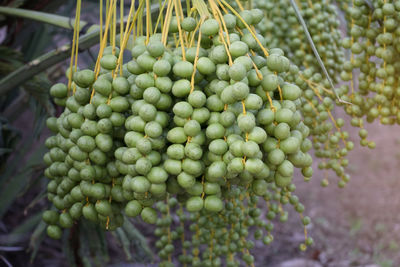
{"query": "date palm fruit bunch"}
(201, 128)
(281, 28)
(370, 72)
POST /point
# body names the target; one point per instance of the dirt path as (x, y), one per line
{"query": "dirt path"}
(355, 226)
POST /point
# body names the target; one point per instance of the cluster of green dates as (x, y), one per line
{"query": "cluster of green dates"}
(374, 48)
(213, 129)
(281, 28)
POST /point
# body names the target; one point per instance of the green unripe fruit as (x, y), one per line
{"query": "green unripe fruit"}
(278, 63)
(84, 78)
(59, 90)
(133, 208)
(183, 69)
(290, 91)
(197, 99)
(177, 135)
(246, 122)
(121, 85)
(50, 217)
(75, 120)
(238, 49)
(172, 166)
(257, 16)
(181, 88)
(66, 220)
(282, 181)
(109, 50)
(209, 27)
(186, 180)
(54, 231)
(247, 16)
(157, 175)
(189, 24)
(144, 146)
(183, 109)
(89, 212)
(77, 154)
(230, 21)
(192, 128)
(140, 184)
(155, 48)
(254, 165)
(134, 68)
(176, 151)
(89, 128)
(240, 90)
(119, 104)
(144, 81)
(290, 145)
(237, 72)
(250, 149)
(222, 71)
(194, 204)
(162, 67)
(286, 168)
(143, 166)
(147, 112)
(102, 86)
(105, 125)
(219, 55)
(205, 66)
(149, 215)
(103, 111)
(98, 191)
(212, 188)
(213, 204)
(270, 82)
(260, 187)
(87, 173)
(276, 156)
(104, 142)
(103, 207)
(193, 167)
(245, 61)
(164, 84)
(146, 62)
(258, 135)
(76, 210)
(51, 123)
(108, 62)
(215, 131)
(253, 102)
(82, 96)
(153, 129)
(218, 146)
(282, 131)
(138, 50)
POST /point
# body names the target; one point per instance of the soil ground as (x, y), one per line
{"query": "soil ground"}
(354, 226)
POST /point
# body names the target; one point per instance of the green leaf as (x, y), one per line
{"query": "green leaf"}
(12, 184)
(45, 61)
(21, 232)
(56, 20)
(125, 243)
(37, 238)
(142, 250)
